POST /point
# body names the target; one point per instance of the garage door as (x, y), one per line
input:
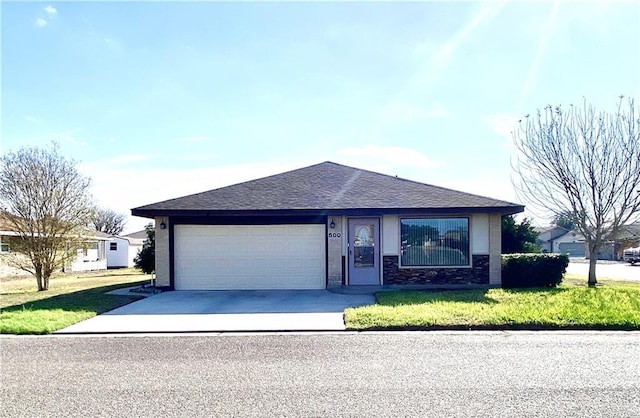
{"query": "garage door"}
(219, 257)
(574, 249)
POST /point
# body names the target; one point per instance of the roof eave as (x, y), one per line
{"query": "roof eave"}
(152, 213)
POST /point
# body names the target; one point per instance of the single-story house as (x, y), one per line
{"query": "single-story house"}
(548, 236)
(327, 225)
(123, 250)
(91, 255)
(559, 240)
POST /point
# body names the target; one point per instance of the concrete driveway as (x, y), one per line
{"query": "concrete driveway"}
(210, 311)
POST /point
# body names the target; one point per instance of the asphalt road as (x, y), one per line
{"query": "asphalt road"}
(479, 374)
(609, 270)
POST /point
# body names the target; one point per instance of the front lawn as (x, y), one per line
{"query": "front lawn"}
(566, 307)
(70, 299)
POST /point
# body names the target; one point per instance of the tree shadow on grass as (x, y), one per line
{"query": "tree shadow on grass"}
(413, 297)
(92, 300)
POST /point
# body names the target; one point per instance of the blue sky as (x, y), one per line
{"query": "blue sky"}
(156, 100)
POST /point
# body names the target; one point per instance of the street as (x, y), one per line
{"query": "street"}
(609, 270)
(459, 374)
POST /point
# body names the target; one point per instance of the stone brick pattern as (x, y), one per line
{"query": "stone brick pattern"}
(477, 274)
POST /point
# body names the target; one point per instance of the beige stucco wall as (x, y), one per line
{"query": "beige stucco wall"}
(480, 233)
(390, 235)
(162, 252)
(495, 249)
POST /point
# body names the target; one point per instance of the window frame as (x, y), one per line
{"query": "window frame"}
(8, 246)
(113, 246)
(470, 256)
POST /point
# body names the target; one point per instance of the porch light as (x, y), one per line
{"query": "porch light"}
(332, 224)
(163, 225)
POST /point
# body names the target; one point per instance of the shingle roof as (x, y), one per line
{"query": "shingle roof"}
(325, 186)
(137, 235)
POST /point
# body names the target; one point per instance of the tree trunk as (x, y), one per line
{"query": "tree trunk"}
(593, 258)
(39, 279)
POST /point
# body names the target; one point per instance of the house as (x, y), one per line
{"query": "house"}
(91, 255)
(327, 225)
(560, 240)
(123, 250)
(547, 236)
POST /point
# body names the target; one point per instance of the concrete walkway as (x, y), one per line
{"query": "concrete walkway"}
(211, 311)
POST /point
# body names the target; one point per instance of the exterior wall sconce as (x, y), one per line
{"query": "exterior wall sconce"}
(332, 224)
(163, 225)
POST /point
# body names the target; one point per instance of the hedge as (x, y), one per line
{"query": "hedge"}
(533, 270)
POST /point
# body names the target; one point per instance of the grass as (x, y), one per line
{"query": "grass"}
(70, 299)
(612, 305)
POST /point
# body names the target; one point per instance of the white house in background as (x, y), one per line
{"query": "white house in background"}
(123, 250)
(92, 255)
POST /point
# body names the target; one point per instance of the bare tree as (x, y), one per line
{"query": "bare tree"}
(108, 221)
(46, 204)
(585, 163)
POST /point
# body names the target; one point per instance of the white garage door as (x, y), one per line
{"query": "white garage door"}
(218, 257)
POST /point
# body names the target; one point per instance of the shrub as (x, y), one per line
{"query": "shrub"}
(146, 258)
(533, 270)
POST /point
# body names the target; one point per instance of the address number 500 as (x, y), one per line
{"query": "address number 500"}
(335, 234)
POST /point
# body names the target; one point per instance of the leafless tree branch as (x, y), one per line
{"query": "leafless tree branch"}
(583, 162)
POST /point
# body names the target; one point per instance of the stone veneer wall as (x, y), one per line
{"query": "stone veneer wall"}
(477, 274)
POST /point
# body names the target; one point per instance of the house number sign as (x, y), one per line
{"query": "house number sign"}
(334, 234)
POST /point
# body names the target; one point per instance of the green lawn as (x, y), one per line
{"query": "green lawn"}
(613, 305)
(70, 299)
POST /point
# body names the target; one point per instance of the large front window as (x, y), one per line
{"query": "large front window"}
(429, 242)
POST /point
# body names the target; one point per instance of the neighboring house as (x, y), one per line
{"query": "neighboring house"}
(327, 225)
(572, 243)
(90, 256)
(547, 236)
(560, 240)
(123, 250)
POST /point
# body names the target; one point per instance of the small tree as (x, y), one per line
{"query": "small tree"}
(108, 221)
(518, 238)
(45, 201)
(585, 162)
(146, 258)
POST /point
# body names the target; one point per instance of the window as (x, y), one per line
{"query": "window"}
(113, 246)
(433, 242)
(4, 248)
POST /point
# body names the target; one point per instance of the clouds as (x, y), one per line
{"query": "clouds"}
(503, 124)
(50, 13)
(372, 156)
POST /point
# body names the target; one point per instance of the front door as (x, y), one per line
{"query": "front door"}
(364, 251)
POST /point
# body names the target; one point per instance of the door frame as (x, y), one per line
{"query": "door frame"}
(348, 249)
